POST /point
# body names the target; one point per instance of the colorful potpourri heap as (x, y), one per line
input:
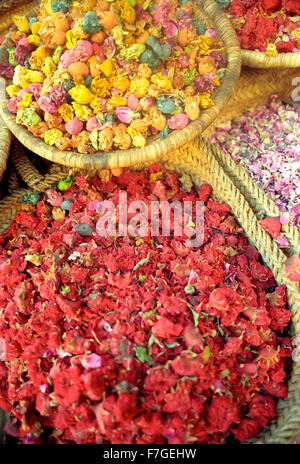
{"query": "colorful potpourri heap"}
(271, 26)
(97, 75)
(136, 339)
(266, 142)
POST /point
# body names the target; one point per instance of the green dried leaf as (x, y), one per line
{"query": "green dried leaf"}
(65, 289)
(172, 345)
(143, 356)
(142, 262)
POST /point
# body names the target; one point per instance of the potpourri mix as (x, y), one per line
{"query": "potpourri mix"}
(97, 75)
(271, 26)
(136, 339)
(266, 142)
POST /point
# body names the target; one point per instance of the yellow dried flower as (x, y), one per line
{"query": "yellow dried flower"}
(49, 66)
(26, 100)
(66, 112)
(296, 34)
(117, 101)
(60, 76)
(71, 39)
(120, 82)
(163, 82)
(139, 87)
(51, 136)
(36, 27)
(81, 94)
(206, 101)
(38, 57)
(117, 33)
(82, 112)
(192, 107)
(126, 11)
(12, 90)
(107, 67)
(22, 23)
(100, 86)
(34, 39)
(138, 140)
(23, 76)
(96, 104)
(271, 50)
(58, 214)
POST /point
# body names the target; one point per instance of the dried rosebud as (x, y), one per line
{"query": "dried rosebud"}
(220, 59)
(58, 95)
(178, 121)
(74, 126)
(47, 104)
(125, 114)
(54, 198)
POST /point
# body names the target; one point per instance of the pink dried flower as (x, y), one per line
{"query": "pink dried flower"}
(58, 95)
(133, 102)
(46, 104)
(54, 198)
(74, 126)
(178, 121)
(124, 114)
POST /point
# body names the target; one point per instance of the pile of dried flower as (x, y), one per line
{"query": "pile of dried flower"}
(126, 339)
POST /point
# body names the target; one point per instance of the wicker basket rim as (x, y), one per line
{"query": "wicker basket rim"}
(255, 59)
(119, 158)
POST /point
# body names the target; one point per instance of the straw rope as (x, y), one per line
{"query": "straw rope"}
(9, 207)
(13, 181)
(256, 197)
(155, 147)
(27, 171)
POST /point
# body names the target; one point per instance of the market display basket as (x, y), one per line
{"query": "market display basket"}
(255, 87)
(204, 163)
(156, 147)
(257, 59)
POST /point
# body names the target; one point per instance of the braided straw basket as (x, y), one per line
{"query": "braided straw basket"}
(208, 10)
(205, 163)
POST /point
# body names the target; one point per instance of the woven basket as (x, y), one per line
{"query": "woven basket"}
(202, 162)
(209, 10)
(256, 59)
(255, 87)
